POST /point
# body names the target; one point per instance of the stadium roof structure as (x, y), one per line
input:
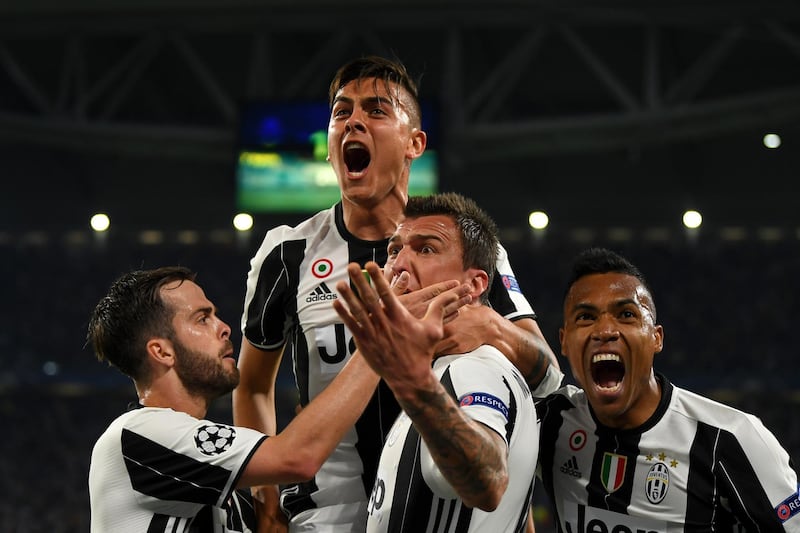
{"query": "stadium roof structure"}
(520, 84)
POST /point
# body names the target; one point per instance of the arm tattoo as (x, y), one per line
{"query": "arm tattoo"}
(466, 452)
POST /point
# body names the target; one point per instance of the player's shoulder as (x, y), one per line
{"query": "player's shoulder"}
(146, 419)
(113, 430)
(320, 221)
(566, 397)
(484, 357)
(502, 253)
(110, 438)
(570, 392)
(313, 229)
(702, 409)
(488, 364)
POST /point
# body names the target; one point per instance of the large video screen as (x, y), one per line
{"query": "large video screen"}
(281, 162)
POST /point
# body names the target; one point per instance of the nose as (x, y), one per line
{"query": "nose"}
(225, 329)
(400, 262)
(605, 328)
(354, 122)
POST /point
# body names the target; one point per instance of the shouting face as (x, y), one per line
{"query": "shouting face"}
(372, 138)
(610, 337)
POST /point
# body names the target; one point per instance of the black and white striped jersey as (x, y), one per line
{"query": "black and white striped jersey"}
(157, 470)
(410, 496)
(695, 465)
(290, 286)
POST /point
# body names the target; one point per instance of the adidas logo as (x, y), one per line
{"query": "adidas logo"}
(570, 467)
(321, 294)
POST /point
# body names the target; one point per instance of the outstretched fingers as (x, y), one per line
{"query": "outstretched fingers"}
(380, 291)
(364, 311)
(355, 315)
(373, 305)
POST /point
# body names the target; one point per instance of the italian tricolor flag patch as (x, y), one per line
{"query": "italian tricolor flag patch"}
(613, 472)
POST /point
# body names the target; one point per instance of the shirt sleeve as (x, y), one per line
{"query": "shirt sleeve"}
(771, 468)
(550, 383)
(171, 456)
(477, 385)
(505, 295)
(269, 291)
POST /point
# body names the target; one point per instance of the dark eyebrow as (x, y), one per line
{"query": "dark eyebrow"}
(424, 237)
(416, 237)
(625, 301)
(617, 304)
(345, 99)
(208, 310)
(581, 306)
(370, 100)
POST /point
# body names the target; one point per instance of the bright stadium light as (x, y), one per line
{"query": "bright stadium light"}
(100, 222)
(243, 222)
(772, 140)
(692, 219)
(538, 220)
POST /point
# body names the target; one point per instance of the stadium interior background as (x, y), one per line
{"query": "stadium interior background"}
(611, 116)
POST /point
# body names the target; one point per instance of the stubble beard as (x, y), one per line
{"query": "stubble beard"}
(203, 375)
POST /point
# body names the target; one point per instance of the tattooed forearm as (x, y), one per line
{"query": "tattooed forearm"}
(540, 361)
(530, 352)
(470, 456)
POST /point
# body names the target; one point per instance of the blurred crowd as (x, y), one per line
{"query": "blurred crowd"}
(727, 310)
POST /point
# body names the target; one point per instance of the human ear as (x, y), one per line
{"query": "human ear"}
(658, 339)
(479, 281)
(161, 351)
(417, 143)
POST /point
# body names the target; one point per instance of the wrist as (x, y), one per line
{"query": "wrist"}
(414, 391)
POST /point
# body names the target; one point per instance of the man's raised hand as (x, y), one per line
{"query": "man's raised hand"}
(397, 344)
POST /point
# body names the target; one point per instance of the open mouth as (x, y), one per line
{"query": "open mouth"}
(607, 371)
(356, 157)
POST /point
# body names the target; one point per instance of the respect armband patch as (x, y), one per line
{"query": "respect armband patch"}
(487, 400)
(510, 283)
(789, 507)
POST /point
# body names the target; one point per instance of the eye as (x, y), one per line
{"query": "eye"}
(339, 112)
(377, 107)
(393, 251)
(427, 249)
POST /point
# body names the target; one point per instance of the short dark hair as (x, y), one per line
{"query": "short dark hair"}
(130, 314)
(378, 68)
(598, 260)
(479, 235)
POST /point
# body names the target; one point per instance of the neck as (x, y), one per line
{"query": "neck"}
(375, 219)
(373, 223)
(176, 399)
